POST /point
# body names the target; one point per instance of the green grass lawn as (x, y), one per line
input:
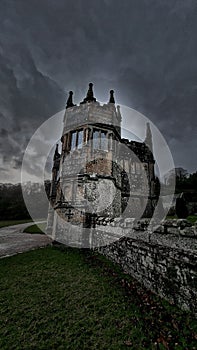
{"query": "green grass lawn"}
(5, 223)
(73, 299)
(190, 218)
(35, 228)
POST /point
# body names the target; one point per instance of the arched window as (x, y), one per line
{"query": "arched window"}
(73, 140)
(76, 139)
(138, 168)
(96, 139)
(132, 167)
(100, 140)
(80, 139)
(104, 141)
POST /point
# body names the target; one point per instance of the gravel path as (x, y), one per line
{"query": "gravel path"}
(14, 241)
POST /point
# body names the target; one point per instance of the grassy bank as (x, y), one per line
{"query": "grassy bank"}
(72, 299)
(35, 228)
(190, 218)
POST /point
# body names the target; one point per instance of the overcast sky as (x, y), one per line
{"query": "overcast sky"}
(146, 50)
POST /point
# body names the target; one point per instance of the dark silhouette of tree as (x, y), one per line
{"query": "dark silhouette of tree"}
(186, 183)
(181, 208)
(12, 205)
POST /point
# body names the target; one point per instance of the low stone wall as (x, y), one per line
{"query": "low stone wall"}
(163, 257)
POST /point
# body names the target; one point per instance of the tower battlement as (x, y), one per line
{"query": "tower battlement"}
(91, 113)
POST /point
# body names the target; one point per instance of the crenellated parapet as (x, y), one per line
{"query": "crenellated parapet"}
(91, 113)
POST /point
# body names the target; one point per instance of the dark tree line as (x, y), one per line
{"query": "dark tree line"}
(12, 205)
(186, 182)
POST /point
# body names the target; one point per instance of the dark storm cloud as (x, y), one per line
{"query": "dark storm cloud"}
(145, 49)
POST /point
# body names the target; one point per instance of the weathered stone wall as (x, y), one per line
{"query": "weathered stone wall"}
(163, 257)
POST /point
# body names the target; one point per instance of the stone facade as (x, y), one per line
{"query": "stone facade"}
(98, 173)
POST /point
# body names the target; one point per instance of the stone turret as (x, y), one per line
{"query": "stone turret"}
(148, 139)
(70, 100)
(111, 100)
(90, 95)
(55, 173)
